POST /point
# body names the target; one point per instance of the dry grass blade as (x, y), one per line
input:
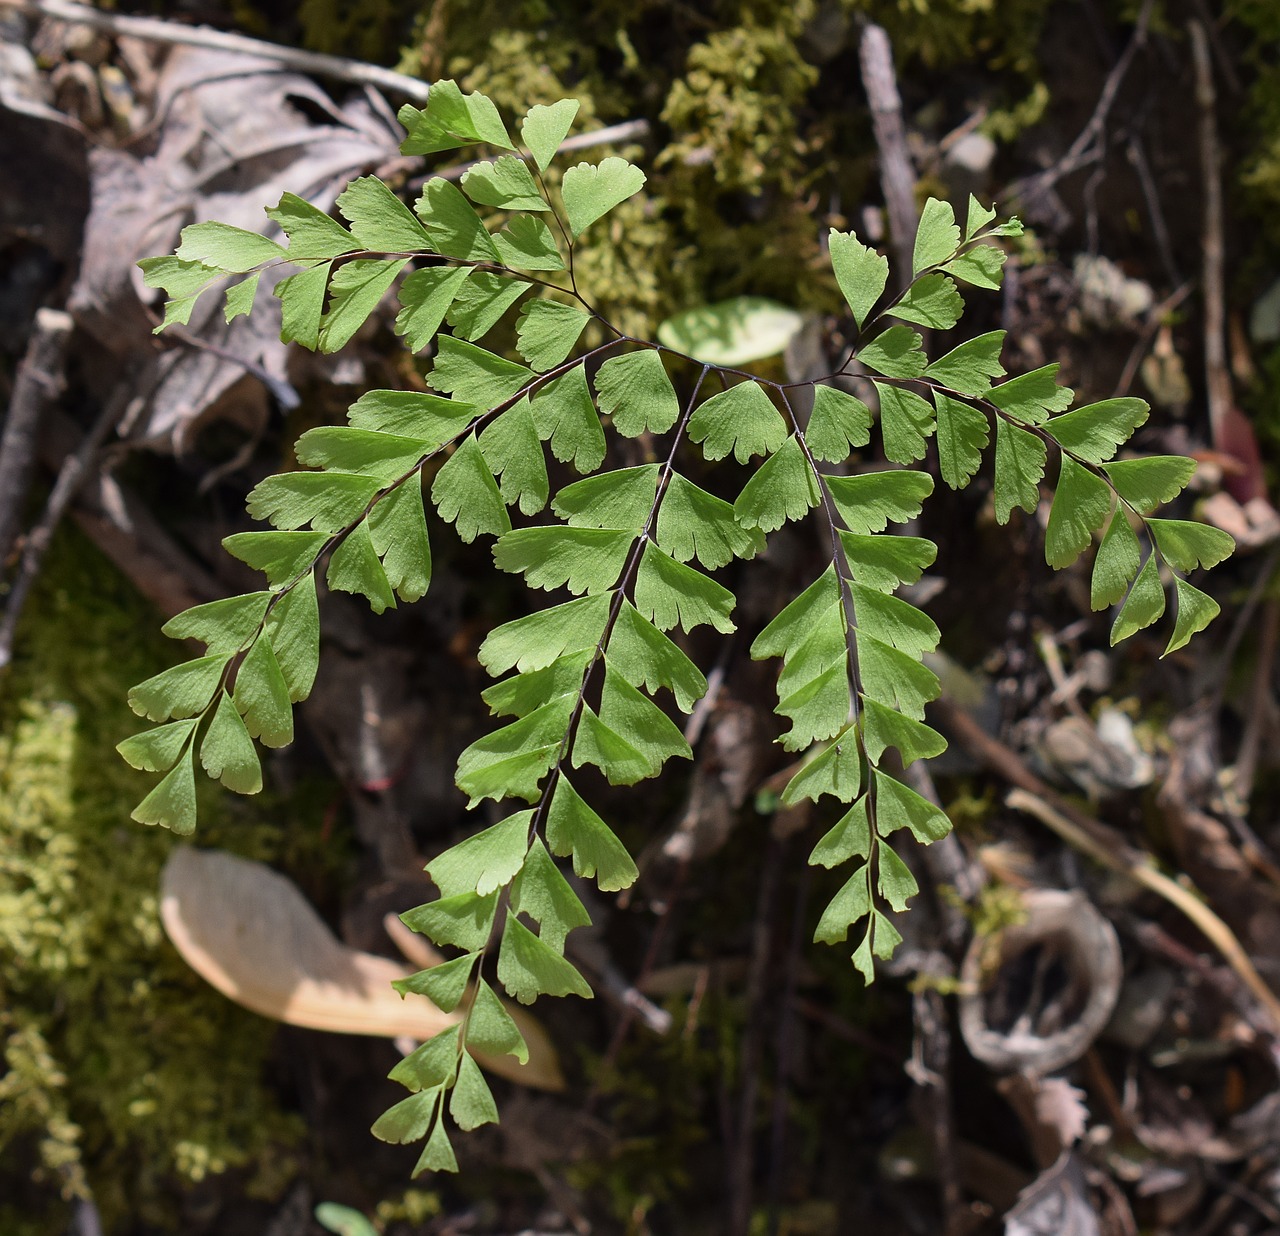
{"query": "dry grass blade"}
(249, 932)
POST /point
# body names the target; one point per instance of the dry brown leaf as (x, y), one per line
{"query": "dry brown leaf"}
(249, 932)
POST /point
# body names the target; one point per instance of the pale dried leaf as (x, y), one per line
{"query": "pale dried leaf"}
(249, 932)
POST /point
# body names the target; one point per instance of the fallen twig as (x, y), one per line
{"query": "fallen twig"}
(1105, 846)
(72, 475)
(897, 176)
(1089, 145)
(38, 380)
(157, 30)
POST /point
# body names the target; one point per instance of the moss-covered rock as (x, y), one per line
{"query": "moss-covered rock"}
(124, 1076)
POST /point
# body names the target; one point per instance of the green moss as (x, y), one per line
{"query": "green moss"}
(125, 1076)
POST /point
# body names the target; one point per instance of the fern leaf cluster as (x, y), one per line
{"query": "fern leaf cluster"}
(591, 681)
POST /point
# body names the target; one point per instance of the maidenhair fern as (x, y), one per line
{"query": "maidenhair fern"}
(576, 683)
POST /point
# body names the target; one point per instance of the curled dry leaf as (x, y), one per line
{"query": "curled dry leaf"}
(249, 932)
(1068, 957)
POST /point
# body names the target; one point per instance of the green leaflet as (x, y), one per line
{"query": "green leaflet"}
(547, 332)
(590, 192)
(962, 437)
(471, 1104)
(629, 738)
(510, 762)
(311, 232)
(227, 753)
(505, 182)
(355, 567)
(526, 243)
(1119, 557)
(1144, 604)
(895, 678)
(896, 353)
(893, 621)
(429, 1067)
(1032, 397)
(412, 414)
(437, 1155)
(451, 119)
(1094, 433)
(544, 128)
(622, 499)
(977, 218)
(462, 922)
(634, 389)
(485, 861)
(425, 297)
(894, 879)
(884, 562)
(172, 804)
(1195, 612)
(1080, 507)
(361, 452)
(742, 420)
(491, 1028)
(1020, 460)
(784, 488)
(240, 298)
(732, 332)
(466, 494)
(262, 698)
(454, 228)
(870, 502)
(982, 266)
(565, 415)
(1148, 483)
(899, 806)
(182, 281)
(398, 531)
(574, 828)
(281, 556)
(838, 424)
(969, 367)
(513, 452)
(932, 301)
(847, 907)
(528, 968)
(301, 299)
(474, 375)
(354, 293)
(542, 893)
(793, 625)
(224, 247)
(861, 273)
(534, 642)
(293, 627)
(882, 728)
(379, 220)
(328, 501)
(646, 658)
(1186, 545)
(937, 237)
(184, 691)
(695, 524)
(581, 559)
(481, 302)
(849, 837)
(222, 626)
(157, 750)
(444, 985)
(906, 420)
(670, 594)
(522, 694)
(836, 770)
